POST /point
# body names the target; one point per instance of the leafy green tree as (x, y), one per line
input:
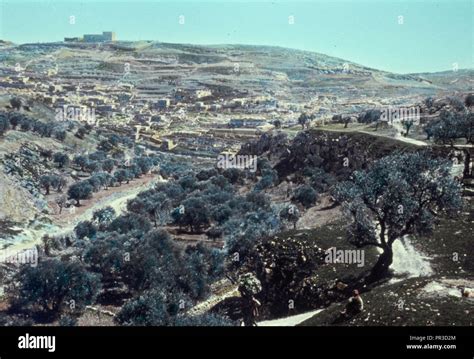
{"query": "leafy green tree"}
(26, 124)
(4, 124)
(58, 183)
(303, 119)
(188, 183)
(408, 125)
(53, 284)
(81, 161)
(206, 174)
(131, 222)
(158, 207)
(15, 119)
(398, 195)
(469, 100)
(93, 166)
(60, 135)
(451, 127)
(234, 175)
(144, 163)
(61, 159)
(320, 180)
(242, 233)
(48, 181)
(81, 132)
(122, 175)
(95, 182)
(456, 103)
(429, 102)
(369, 116)
(193, 213)
(85, 229)
(269, 178)
(108, 165)
(80, 191)
(16, 103)
(202, 266)
(45, 182)
(107, 256)
(221, 213)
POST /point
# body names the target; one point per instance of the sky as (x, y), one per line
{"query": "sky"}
(399, 36)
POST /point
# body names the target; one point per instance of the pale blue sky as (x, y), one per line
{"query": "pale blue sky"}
(433, 36)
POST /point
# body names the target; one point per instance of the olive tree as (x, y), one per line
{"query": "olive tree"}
(398, 195)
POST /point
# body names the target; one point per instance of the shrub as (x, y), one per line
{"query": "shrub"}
(306, 195)
(67, 321)
(104, 215)
(60, 135)
(153, 308)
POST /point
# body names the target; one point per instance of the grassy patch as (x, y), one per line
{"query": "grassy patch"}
(334, 235)
(452, 239)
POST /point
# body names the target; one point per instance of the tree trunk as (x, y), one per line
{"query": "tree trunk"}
(380, 269)
(467, 163)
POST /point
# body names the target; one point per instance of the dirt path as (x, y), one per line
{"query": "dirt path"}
(319, 215)
(116, 197)
(290, 321)
(397, 138)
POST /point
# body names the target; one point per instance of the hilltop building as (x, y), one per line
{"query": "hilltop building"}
(106, 36)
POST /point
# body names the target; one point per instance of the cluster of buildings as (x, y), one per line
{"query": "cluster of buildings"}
(89, 90)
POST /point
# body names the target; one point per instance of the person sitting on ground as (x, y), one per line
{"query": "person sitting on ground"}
(355, 304)
(466, 293)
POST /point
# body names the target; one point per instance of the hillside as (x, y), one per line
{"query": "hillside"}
(231, 70)
(157, 173)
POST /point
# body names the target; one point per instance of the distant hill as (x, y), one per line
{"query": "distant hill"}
(233, 70)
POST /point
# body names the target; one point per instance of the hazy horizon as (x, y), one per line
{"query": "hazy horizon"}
(432, 36)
